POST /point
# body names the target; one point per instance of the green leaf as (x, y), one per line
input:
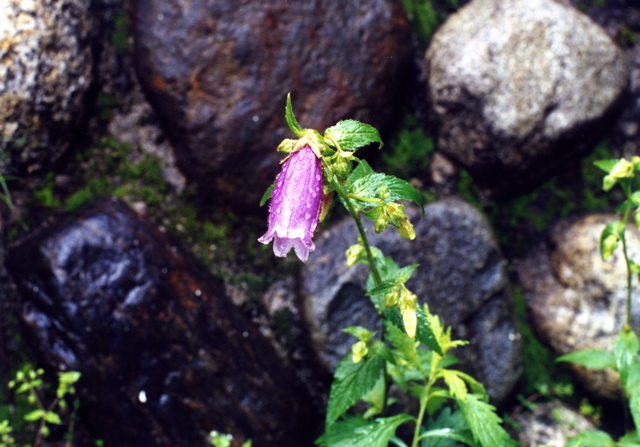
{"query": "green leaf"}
(267, 194)
(358, 432)
(405, 346)
(476, 386)
(291, 119)
(447, 434)
(363, 169)
(361, 333)
(34, 415)
(374, 186)
(350, 135)
(351, 382)
(625, 351)
(456, 385)
(633, 391)
(605, 165)
(446, 421)
(594, 438)
(591, 358)
(424, 334)
(484, 422)
(340, 432)
(52, 418)
(609, 238)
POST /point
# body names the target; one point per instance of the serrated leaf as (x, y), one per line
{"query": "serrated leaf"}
(363, 169)
(457, 386)
(605, 165)
(374, 434)
(446, 420)
(350, 135)
(625, 351)
(405, 346)
(341, 431)
(591, 358)
(267, 194)
(595, 438)
(291, 119)
(476, 386)
(445, 437)
(351, 382)
(484, 422)
(371, 186)
(424, 333)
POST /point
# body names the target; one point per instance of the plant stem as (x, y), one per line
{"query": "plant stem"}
(363, 233)
(627, 189)
(424, 400)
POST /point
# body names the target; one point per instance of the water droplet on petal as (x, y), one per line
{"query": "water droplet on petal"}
(307, 216)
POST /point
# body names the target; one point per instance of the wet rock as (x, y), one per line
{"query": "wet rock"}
(551, 424)
(45, 75)
(462, 276)
(517, 87)
(576, 300)
(217, 74)
(164, 355)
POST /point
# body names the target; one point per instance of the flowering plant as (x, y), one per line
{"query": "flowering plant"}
(324, 163)
(624, 358)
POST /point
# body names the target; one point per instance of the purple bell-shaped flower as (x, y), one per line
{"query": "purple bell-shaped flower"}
(295, 205)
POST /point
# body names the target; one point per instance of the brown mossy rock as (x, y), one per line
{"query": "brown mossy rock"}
(218, 72)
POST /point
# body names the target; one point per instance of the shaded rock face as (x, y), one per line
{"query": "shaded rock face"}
(551, 424)
(217, 73)
(462, 277)
(518, 86)
(576, 300)
(164, 355)
(44, 78)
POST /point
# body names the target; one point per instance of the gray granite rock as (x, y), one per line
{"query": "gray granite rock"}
(462, 276)
(516, 87)
(550, 424)
(576, 300)
(45, 75)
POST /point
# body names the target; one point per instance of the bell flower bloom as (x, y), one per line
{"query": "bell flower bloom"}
(295, 205)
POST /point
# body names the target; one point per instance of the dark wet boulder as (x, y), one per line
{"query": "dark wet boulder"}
(165, 356)
(217, 74)
(462, 276)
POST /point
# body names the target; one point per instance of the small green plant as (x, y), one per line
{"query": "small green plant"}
(624, 358)
(31, 384)
(218, 439)
(412, 351)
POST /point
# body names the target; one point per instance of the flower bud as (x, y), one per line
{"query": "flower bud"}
(359, 351)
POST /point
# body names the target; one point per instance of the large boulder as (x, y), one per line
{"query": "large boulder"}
(462, 276)
(517, 87)
(165, 356)
(217, 73)
(45, 75)
(576, 300)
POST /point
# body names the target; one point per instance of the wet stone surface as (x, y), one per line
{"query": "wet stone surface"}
(218, 72)
(164, 355)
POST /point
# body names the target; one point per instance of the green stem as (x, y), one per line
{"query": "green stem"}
(424, 400)
(377, 279)
(627, 189)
